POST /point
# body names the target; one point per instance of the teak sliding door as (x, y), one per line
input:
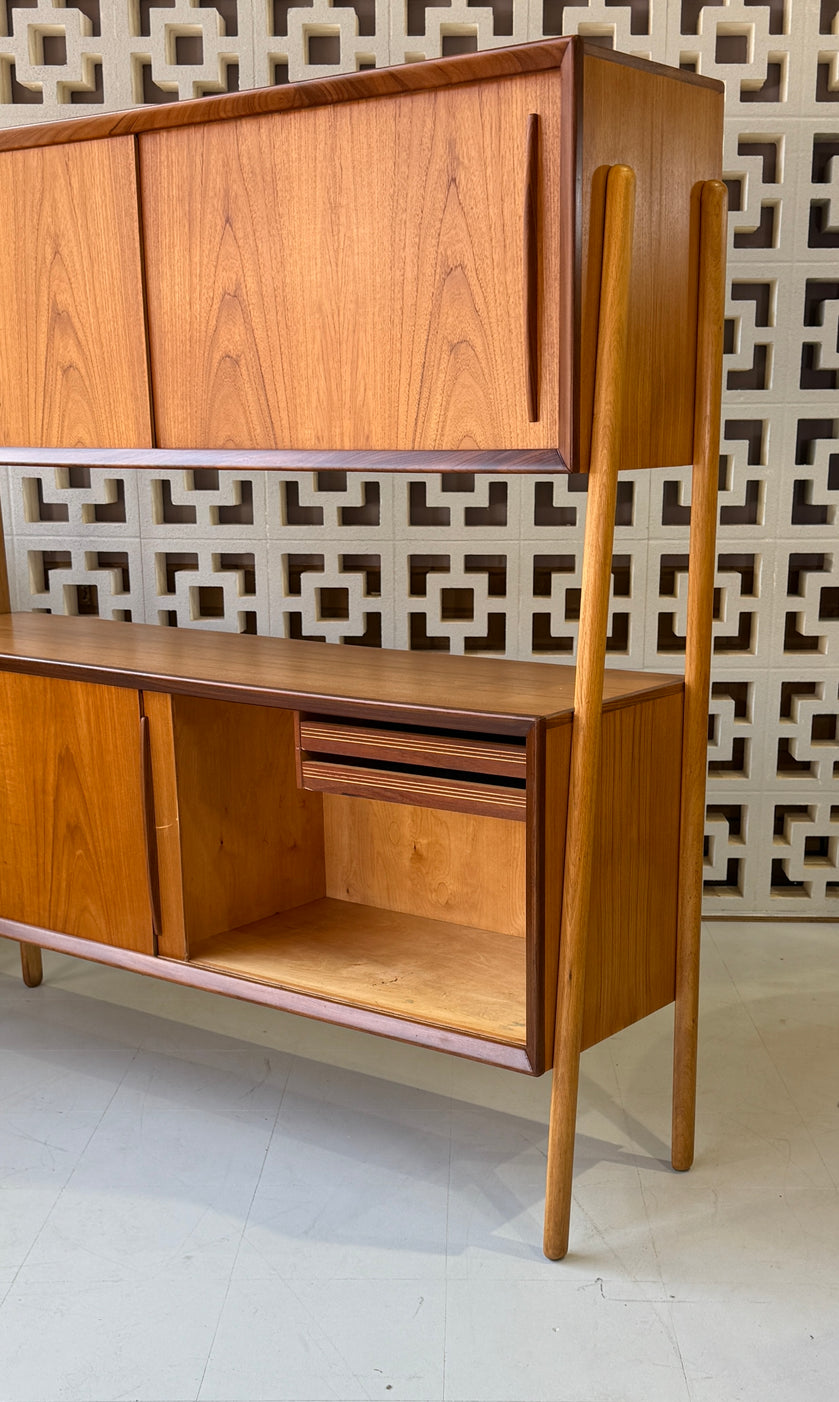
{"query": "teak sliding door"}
(73, 365)
(356, 276)
(72, 825)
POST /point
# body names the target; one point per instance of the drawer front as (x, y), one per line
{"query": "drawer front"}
(425, 767)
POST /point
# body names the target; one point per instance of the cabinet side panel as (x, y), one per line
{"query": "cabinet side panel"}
(670, 133)
(172, 937)
(460, 867)
(557, 773)
(72, 835)
(73, 370)
(251, 841)
(353, 277)
(631, 957)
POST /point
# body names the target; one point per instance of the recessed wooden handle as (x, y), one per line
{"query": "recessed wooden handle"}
(148, 824)
(531, 268)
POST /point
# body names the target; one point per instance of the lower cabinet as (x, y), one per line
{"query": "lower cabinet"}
(372, 863)
(73, 854)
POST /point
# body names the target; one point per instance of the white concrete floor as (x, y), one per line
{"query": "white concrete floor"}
(205, 1200)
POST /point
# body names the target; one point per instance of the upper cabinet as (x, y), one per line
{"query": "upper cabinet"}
(355, 276)
(73, 361)
(400, 260)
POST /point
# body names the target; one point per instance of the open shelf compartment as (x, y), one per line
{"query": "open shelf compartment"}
(397, 907)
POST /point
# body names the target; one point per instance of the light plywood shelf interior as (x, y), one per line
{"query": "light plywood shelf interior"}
(430, 971)
(395, 907)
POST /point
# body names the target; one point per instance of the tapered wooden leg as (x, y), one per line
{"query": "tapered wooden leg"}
(588, 703)
(703, 522)
(31, 964)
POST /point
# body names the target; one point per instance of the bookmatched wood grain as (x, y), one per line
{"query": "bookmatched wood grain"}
(72, 336)
(456, 867)
(251, 841)
(72, 850)
(371, 301)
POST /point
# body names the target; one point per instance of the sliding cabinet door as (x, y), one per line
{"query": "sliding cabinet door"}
(73, 361)
(357, 276)
(72, 829)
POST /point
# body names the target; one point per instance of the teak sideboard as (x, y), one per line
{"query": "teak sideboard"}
(510, 261)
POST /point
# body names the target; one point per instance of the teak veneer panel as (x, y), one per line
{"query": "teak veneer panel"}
(670, 135)
(72, 835)
(631, 952)
(373, 300)
(251, 841)
(445, 975)
(457, 867)
(537, 57)
(73, 369)
(476, 693)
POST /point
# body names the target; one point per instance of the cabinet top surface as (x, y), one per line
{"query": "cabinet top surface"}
(426, 687)
(344, 87)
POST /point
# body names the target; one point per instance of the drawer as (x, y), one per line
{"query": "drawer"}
(424, 766)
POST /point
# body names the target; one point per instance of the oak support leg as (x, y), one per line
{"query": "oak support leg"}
(588, 702)
(31, 964)
(703, 522)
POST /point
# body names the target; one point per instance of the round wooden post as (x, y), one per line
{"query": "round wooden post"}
(588, 701)
(31, 964)
(703, 525)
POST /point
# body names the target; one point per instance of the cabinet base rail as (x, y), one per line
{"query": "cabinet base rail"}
(189, 975)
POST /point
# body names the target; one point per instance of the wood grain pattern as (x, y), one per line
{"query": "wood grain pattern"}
(400, 1029)
(470, 693)
(456, 867)
(430, 790)
(251, 841)
(631, 947)
(31, 965)
(585, 740)
(72, 337)
(172, 935)
(428, 970)
(149, 832)
(72, 854)
(523, 460)
(473, 756)
(698, 656)
(557, 776)
(673, 142)
(345, 87)
(367, 302)
(530, 259)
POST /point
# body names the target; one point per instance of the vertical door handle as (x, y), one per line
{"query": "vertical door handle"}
(147, 791)
(531, 267)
